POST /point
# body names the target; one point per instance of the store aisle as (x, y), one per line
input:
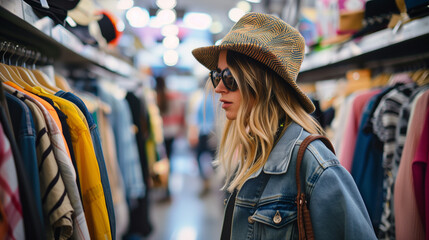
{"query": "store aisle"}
(187, 216)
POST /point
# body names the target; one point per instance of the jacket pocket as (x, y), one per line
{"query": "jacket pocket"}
(275, 220)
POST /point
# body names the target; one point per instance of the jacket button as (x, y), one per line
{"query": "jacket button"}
(250, 220)
(277, 218)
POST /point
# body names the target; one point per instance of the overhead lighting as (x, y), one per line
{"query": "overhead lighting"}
(170, 30)
(216, 27)
(125, 4)
(200, 21)
(245, 6)
(171, 42)
(254, 1)
(137, 17)
(120, 25)
(166, 16)
(166, 4)
(235, 14)
(171, 57)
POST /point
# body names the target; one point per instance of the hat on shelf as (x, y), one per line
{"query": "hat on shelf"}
(55, 9)
(84, 13)
(108, 25)
(377, 16)
(267, 39)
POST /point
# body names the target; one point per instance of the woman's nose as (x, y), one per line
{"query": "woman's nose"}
(220, 88)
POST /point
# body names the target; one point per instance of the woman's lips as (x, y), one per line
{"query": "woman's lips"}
(226, 104)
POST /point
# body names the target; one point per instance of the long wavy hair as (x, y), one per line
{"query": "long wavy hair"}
(247, 141)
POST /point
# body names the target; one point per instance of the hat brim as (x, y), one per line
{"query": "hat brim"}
(208, 56)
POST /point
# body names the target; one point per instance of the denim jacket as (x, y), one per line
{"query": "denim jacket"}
(336, 206)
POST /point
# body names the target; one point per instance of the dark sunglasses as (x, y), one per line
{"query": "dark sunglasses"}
(226, 76)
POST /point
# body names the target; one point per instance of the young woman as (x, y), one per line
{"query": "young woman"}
(254, 70)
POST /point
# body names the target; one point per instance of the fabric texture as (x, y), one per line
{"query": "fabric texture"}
(95, 136)
(385, 120)
(407, 221)
(352, 128)
(67, 170)
(9, 193)
(94, 202)
(25, 136)
(267, 39)
(420, 172)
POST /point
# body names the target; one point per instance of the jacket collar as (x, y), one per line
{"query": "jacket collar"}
(279, 158)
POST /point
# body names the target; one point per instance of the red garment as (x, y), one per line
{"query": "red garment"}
(9, 191)
(352, 128)
(420, 177)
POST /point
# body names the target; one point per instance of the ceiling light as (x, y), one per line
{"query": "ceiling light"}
(137, 17)
(166, 4)
(120, 25)
(201, 21)
(171, 57)
(235, 14)
(171, 42)
(170, 30)
(125, 4)
(216, 27)
(245, 6)
(254, 1)
(166, 16)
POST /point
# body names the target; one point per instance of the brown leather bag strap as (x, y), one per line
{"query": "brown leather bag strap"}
(301, 152)
(303, 215)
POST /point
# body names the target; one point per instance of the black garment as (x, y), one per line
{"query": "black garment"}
(67, 136)
(139, 216)
(227, 222)
(32, 226)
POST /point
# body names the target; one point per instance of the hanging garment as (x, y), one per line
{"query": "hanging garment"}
(352, 128)
(366, 167)
(384, 122)
(126, 146)
(67, 170)
(25, 136)
(56, 203)
(33, 228)
(139, 220)
(113, 170)
(94, 202)
(408, 224)
(9, 196)
(67, 137)
(95, 136)
(420, 172)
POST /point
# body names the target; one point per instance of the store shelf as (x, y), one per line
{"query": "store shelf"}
(19, 24)
(384, 48)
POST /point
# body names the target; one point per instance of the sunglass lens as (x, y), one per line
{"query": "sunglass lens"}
(215, 77)
(229, 80)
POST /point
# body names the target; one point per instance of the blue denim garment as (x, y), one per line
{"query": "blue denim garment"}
(336, 207)
(367, 169)
(95, 136)
(25, 135)
(126, 146)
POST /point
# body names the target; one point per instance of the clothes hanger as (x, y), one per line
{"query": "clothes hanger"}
(62, 83)
(8, 72)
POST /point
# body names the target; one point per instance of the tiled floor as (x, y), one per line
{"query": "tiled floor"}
(188, 216)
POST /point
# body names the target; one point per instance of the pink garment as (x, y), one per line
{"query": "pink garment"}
(407, 221)
(420, 179)
(9, 191)
(352, 127)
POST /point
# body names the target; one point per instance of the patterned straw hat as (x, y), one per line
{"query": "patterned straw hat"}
(267, 39)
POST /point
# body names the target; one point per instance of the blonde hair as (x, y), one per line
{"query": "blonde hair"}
(247, 141)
